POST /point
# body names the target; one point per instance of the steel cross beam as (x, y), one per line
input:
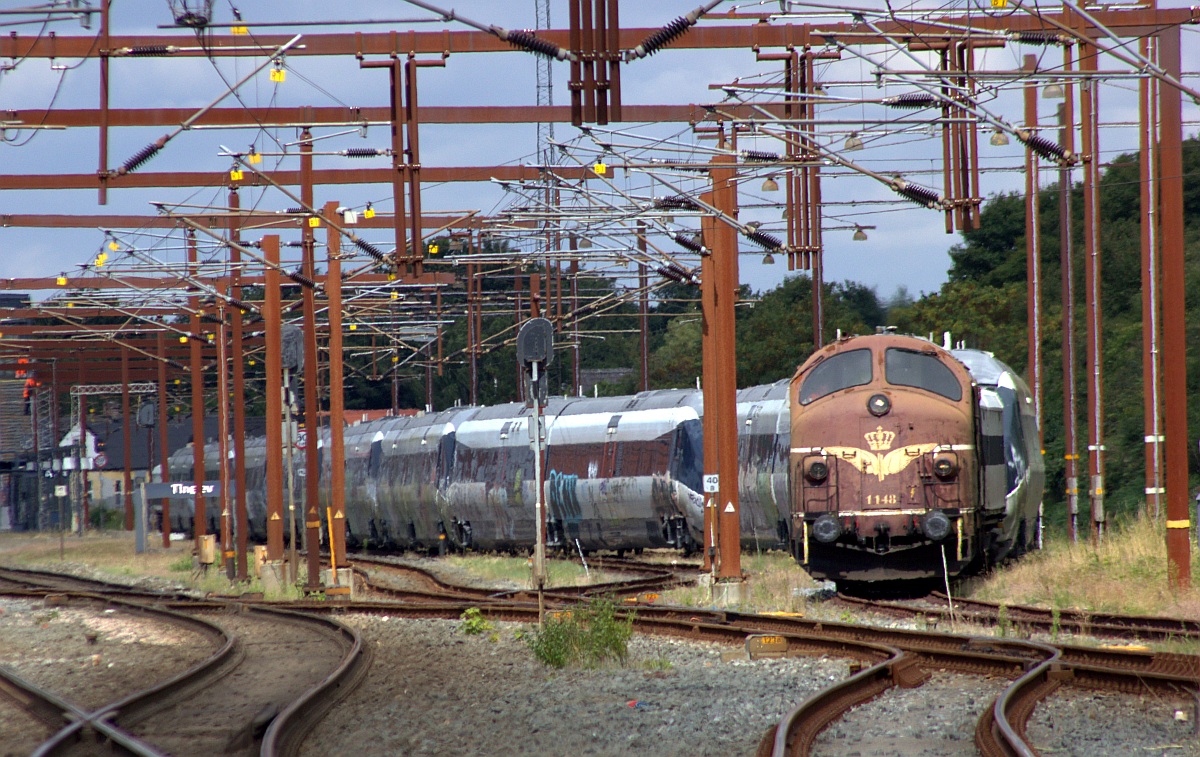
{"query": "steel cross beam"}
(94, 390)
(1132, 22)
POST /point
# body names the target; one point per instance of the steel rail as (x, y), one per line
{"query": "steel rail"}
(100, 720)
(796, 732)
(288, 728)
(53, 710)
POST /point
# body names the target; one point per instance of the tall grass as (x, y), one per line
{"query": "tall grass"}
(1125, 573)
(112, 554)
(518, 571)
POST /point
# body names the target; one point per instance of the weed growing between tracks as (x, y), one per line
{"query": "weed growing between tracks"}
(474, 623)
(589, 635)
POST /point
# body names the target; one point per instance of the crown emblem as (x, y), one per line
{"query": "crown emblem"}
(880, 439)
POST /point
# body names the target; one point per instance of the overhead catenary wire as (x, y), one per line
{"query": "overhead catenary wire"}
(519, 38)
(138, 159)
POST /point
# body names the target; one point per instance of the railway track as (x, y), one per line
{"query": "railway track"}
(1021, 620)
(258, 692)
(883, 658)
(645, 580)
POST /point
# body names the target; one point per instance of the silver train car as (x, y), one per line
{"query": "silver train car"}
(621, 473)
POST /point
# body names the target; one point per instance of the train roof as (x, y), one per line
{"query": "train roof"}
(985, 369)
(765, 392)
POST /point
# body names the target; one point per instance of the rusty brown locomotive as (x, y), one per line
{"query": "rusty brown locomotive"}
(910, 461)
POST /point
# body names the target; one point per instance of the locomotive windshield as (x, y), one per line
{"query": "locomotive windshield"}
(841, 371)
(922, 370)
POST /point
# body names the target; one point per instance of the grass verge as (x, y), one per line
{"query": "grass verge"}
(1125, 573)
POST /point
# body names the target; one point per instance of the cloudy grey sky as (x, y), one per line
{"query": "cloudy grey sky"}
(907, 248)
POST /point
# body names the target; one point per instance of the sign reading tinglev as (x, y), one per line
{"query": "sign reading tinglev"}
(182, 490)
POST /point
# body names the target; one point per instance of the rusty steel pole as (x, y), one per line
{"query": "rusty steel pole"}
(473, 331)
(573, 272)
(274, 398)
(241, 515)
(227, 551)
(1151, 283)
(643, 310)
(85, 503)
(337, 443)
(1091, 241)
(1033, 268)
(412, 164)
(164, 444)
(200, 516)
(312, 400)
(708, 385)
(105, 50)
(1067, 265)
(1170, 166)
(723, 243)
(126, 441)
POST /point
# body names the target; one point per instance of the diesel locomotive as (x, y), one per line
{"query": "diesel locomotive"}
(882, 455)
(910, 461)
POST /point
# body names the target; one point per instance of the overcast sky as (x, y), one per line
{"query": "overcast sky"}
(906, 248)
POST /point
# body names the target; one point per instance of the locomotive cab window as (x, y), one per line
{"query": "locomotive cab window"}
(923, 371)
(841, 371)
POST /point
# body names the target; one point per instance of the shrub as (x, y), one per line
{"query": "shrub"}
(473, 622)
(588, 635)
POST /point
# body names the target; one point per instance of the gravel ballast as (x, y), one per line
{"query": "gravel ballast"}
(432, 690)
(90, 655)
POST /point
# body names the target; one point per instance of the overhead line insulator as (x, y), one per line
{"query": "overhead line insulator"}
(527, 40)
(1047, 149)
(364, 152)
(147, 51)
(911, 100)
(765, 240)
(141, 156)
(676, 202)
(1036, 37)
(759, 156)
(301, 279)
(370, 249)
(917, 193)
(691, 243)
(662, 37)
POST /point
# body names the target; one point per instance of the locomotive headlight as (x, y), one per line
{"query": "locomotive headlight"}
(827, 529)
(935, 525)
(945, 465)
(879, 405)
(817, 470)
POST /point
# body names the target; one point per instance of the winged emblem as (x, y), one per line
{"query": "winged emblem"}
(878, 464)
